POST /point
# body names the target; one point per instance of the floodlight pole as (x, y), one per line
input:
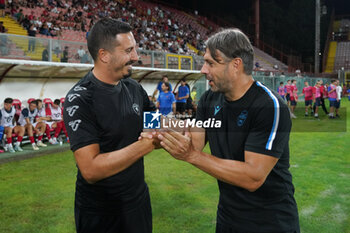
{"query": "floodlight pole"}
(317, 37)
(257, 22)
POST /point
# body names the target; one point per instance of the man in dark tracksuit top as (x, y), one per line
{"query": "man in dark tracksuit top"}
(103, 115)
(250, 151)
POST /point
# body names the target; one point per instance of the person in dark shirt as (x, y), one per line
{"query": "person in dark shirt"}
(45, 55)
(103, 114)
(2, 27)
(181, 97)
(249, 149)
(64, 57)
(31, 43)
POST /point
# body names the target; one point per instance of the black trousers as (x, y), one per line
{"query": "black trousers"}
(225, 229)
(323, 106)
(138, 220)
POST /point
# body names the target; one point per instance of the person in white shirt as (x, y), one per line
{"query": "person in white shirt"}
(339, 90)
(26, 120)
(7, 119)
(80, 52)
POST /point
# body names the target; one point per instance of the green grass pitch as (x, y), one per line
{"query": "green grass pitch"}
(37, 195)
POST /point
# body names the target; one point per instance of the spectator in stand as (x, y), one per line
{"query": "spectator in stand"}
(64, 57)
(159, 86)
(181, 97)
(26, 120)
(31, 16)
(282, 91)
(166, 100)
(25, 22)
(308, 92)
(31, 42)
(44, 30)
(332, 97)
(50, 2)
(14, 11)
(339, 90)
(2, 27)
(7, 116)
(293, 97)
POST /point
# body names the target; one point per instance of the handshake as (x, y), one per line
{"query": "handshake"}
(177, 143)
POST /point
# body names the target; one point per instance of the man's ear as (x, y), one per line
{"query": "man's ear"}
(103, 55)
(237, 64)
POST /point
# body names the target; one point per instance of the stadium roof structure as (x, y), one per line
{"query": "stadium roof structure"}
(39, 69)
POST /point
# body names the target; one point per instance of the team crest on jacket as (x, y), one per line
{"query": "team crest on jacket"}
(136, 108)
(242, 117)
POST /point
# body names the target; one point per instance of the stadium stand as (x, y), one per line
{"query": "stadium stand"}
(157, 28)
(338, 56)
(342, 58)
(268, 62)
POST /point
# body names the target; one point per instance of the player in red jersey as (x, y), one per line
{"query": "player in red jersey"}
(288, 92)
(308, 92)
(293, 97)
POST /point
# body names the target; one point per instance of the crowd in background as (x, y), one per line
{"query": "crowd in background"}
(154, 28)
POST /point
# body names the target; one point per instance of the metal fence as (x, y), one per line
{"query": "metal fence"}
(51, 49)
(272, 82)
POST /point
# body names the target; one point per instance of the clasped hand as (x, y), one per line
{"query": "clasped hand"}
(179, 145)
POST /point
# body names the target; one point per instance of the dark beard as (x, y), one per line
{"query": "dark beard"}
(128, 75)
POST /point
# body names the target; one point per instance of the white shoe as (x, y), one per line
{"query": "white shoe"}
(18, 148)
(40, 143)
(292, 115)
(9, 148)
(35, 147)
(53, 141)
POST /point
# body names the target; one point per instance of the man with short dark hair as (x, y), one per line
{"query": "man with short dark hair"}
(103, 114)
(26, 120)
(182, 95)
(308, 92)
(7, 117)
(250, 151)
(165, 79)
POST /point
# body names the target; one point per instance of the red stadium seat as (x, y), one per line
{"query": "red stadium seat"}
(18, 106)
(47, 102)
(30, 100)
